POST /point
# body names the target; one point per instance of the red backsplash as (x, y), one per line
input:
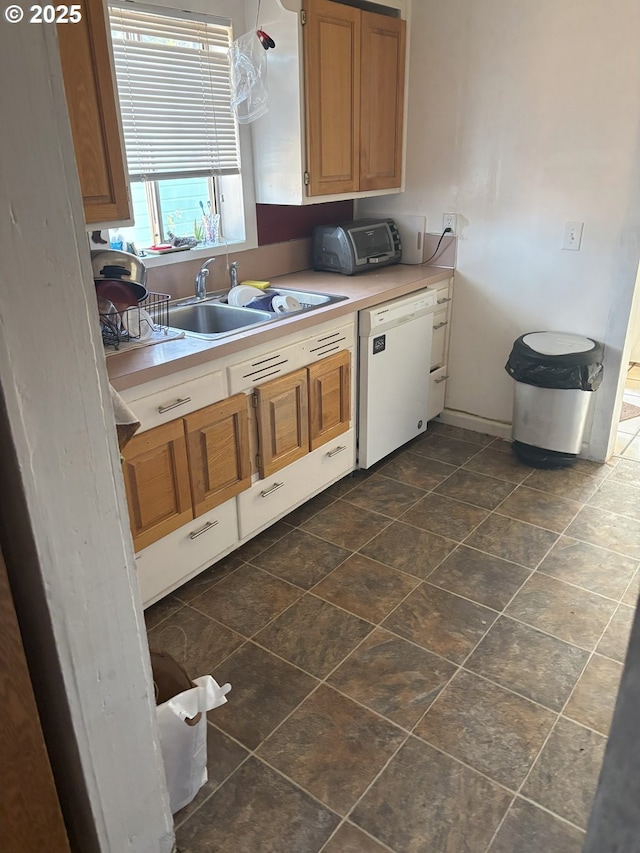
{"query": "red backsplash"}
(280, 222)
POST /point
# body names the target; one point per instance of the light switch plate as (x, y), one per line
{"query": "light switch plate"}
(572, 236)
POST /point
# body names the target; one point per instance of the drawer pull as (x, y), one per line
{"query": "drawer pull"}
(202, 530)
(443, 300)
(440, 326)
(271, 490)
(337, 450)
(179, 402)
(442, 379)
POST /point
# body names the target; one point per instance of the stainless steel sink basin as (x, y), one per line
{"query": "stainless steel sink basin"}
(212, 319)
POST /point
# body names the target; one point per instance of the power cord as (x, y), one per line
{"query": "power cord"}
(446, 231)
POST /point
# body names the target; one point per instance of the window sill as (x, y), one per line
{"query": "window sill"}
(150, 260)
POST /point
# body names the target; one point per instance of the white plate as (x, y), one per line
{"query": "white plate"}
(243, 293)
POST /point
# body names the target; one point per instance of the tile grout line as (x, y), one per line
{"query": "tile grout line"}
(459, 667)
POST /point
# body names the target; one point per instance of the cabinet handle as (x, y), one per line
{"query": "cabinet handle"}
(440, 325)
(442, 379)
(179, 402)
(443, 300)
(202, 530)
(337, 450)
(271, 490)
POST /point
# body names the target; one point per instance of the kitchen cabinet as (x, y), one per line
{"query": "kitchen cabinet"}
(335, 125)
(218, 451)
(354, 91)
(85, 56)
(329, 398)
(156, 478)
(177, 471)
(440, 347)
(289, 407)
(283, 421)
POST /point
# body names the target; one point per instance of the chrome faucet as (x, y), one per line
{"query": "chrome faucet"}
(233, 273)
(201, 280)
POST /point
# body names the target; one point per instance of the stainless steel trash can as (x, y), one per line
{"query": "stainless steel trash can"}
(556, 375)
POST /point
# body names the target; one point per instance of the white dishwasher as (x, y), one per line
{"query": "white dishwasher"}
(394, 358)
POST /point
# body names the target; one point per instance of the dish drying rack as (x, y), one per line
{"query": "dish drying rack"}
(132, 325)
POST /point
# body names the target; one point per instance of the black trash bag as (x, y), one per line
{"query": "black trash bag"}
(580, 370)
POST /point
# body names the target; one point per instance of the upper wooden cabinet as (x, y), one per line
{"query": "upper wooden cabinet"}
(93, 112)
(354, 95)
(381, 101)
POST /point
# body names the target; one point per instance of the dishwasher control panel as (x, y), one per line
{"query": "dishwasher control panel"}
(397, 311)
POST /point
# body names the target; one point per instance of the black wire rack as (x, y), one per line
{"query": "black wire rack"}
(136, 324)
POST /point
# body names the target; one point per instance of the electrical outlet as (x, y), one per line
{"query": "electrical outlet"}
(450, 220)
(572, 236)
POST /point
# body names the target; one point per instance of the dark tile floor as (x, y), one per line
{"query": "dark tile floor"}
(423, 658)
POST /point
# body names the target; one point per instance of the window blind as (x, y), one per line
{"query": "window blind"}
(174, 87)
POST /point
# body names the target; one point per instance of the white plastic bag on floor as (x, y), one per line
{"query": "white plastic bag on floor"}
(182, 723)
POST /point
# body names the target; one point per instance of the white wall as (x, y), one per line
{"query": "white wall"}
(522, 116)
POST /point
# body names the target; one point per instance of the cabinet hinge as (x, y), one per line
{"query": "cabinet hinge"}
(307, 179)
(254, 401)
(258, 461)
(303, 17)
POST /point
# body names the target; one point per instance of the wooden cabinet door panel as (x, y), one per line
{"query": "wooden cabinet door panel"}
(218, 450)
(156, 477)
(332, 87)
(382, 101)
(329, 398)
(93, 113)
(283, 421)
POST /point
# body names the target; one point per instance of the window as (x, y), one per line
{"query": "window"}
(180, 134)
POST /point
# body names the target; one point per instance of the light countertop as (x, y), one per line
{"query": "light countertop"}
(128, 369)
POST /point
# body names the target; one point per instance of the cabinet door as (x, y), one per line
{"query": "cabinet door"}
(283, 421)
(93, 112)
(218, 450)
(156, 477)
(329, 398)
(382, 101)
(332, 90)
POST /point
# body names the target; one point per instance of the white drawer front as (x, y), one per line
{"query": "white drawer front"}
(443, 293)
(264, 366)
(439, 339)
(334, 459)
(328, 342)
(270, 498)
(166, 564)
(178, 400)
(437, 385)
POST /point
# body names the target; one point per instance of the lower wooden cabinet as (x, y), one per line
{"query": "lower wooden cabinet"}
(302, 410)
(283, 421)
(176, 472)
(329, 398)
(156, 478)
(218, 451)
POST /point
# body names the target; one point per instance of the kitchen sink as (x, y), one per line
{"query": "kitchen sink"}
(214, 318)
(211, 319)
